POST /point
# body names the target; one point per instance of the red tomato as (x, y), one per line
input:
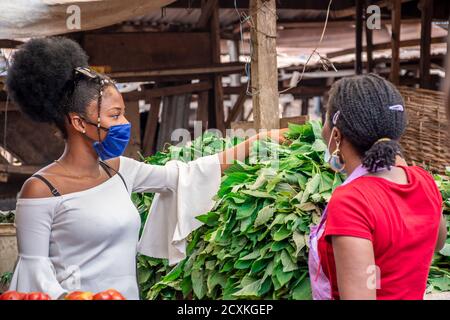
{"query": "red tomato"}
(12, 295)
(79, 295)
(110, 294)
(102, 296)
(116, 295)
(37, 296)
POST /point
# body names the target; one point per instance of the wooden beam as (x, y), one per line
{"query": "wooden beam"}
(237, 107)
(218, 112)
(396, 11)
(282, 123)
(20, 170)
(10, 44)
(151, 126)
(148, 94)
(264, 72)
(385, 46)
(359, 33)
(426, 8)
(136, 51)
(205, 16)
(219, 68)
(300, 90)
(333, 24)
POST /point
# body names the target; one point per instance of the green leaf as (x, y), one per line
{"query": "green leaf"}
(303, 290)
(250, 290)
(259, 265)
(279, 245)
(198, 284)
(299, 240)
(307, 206)
(319, 146)
(441, 283)
(210, 218)
(215, 279)
(246, 210)
(288, 264)
(243, 264)
(282, 233)
(283, 277)
(264, 215)
(251, 256)
(337, 181)
(259, 194)
(445, 251)
(313, 184)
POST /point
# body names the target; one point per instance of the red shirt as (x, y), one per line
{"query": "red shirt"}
(401, 221)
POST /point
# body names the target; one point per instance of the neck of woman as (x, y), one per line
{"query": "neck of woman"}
(80, 155)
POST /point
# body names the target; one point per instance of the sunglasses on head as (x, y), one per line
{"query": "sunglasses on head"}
(87, 73)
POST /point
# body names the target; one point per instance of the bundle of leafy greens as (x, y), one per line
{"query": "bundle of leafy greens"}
(254, 242)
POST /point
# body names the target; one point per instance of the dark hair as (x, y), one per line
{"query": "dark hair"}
(366, 114)
(41, 80)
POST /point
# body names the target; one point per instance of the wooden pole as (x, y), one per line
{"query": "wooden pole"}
(264, 72)
(202, 109)
(217, 117)
(369, 46)
(396, 7)
(305, 106)
(359, 33)
(151, 127)
(426, 8)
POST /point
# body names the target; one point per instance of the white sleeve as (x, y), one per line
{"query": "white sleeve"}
(143, 177)
(34, 271)
(172, 215)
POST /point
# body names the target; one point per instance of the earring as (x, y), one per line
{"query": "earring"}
(84, 131)
(335, 160)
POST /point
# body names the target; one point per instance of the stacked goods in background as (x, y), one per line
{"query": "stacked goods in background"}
(254, 242)
(426, 138)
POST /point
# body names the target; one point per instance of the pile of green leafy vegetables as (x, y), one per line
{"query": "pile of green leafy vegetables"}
(254, 242)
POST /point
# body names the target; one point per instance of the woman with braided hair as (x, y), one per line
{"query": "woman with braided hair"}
(381, 227)
(77, 228)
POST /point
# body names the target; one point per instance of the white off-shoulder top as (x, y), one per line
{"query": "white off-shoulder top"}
(88, 240)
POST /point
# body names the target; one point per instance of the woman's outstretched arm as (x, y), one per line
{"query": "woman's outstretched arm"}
(242, 150)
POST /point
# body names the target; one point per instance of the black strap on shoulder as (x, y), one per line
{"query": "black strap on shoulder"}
(104, 166)
(117, 172)
(49, 185)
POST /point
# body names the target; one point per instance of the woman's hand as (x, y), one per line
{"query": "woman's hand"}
(277, 135)
(242, 150)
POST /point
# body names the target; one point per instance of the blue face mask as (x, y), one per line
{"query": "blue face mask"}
(115, 142)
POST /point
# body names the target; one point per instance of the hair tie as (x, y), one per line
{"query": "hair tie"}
(397, 107)
(336, 117)
(382, 140)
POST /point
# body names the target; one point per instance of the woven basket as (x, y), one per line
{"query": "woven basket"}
(426, 140)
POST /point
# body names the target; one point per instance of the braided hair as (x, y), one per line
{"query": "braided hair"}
(371, 117)
(42, 81)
